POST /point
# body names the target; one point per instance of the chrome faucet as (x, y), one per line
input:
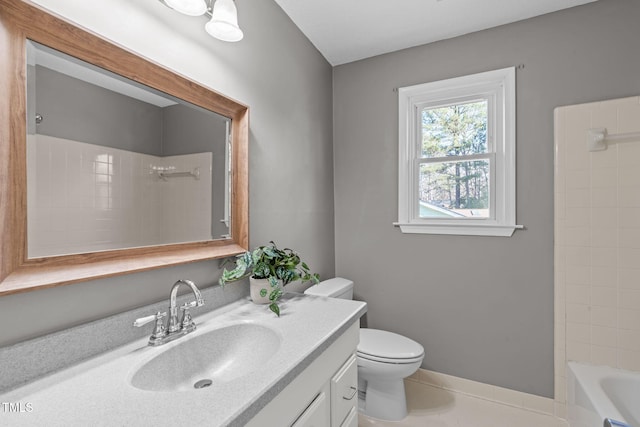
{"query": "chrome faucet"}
(174, 329)
(173, 325)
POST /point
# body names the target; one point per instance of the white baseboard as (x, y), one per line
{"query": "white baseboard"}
(493, 393)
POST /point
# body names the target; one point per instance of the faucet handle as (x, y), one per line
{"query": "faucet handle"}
(187, 324)
(159, 331)
(187, 305)
(144, 320)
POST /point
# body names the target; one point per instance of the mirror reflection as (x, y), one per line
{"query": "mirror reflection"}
(112, 164)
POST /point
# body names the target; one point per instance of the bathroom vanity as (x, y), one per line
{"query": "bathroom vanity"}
(317, 398)
(242, 366)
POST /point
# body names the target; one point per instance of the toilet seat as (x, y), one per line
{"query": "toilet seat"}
(388, 347)
(389, 361)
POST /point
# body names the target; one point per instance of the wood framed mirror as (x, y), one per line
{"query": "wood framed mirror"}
(23, 269)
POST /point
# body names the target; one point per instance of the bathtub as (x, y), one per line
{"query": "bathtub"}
(596, 393)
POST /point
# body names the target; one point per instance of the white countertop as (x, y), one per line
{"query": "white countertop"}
(98, 391)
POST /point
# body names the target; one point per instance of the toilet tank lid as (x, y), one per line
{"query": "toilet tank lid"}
(330, 287)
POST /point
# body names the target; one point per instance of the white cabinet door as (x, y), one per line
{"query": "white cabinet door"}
(316, 414)
(344, 392)
(292, 407)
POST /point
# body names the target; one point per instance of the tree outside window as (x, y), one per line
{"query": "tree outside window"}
(456, 186)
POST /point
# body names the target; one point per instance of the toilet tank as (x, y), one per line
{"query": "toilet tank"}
(337, 287)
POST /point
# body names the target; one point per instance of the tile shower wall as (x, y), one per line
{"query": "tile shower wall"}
(80, 193)
(597, 240)
(186, 202)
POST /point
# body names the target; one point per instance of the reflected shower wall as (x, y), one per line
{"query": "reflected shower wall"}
(85, 198)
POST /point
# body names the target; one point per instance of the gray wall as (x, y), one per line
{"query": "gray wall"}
(481, 306)
(188, 130)
(287, 84)
(70, 111)
(80, 111)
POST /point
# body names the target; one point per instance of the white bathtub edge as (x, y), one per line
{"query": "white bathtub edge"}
(587, 402)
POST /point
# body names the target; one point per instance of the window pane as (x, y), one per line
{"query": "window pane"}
(454, 130)
(454, 189)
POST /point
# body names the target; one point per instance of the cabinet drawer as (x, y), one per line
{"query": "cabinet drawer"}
(316, 414)
(352, 419)
(344, 391)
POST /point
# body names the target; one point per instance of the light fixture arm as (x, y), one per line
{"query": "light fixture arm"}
(208, 12)
(223, 13)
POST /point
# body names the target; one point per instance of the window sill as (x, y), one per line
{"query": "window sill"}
(460, 229)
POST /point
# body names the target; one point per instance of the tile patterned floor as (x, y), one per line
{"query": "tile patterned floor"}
(434, 407)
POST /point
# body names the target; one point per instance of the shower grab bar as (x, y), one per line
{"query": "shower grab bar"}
(195, 173)
(598, 138)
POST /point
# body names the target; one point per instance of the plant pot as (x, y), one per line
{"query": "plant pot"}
(256, 285)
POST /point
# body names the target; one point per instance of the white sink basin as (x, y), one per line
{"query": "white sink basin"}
(209, 359)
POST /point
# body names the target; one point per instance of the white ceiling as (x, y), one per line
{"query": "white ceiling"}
(78, 69)
(349, 30)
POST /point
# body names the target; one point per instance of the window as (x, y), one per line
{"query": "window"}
(457, 155)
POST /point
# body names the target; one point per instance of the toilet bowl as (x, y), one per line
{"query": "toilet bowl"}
(384, 359)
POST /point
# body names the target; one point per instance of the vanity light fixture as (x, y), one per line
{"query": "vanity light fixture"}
(188, 7)
(224, 16)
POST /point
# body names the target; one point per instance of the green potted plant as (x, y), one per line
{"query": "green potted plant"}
(269, 269)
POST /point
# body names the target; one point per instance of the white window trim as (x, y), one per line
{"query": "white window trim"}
(498, 87)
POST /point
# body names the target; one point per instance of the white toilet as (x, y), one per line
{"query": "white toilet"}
(384, 360)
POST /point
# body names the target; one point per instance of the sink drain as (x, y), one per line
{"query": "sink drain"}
(202, 384)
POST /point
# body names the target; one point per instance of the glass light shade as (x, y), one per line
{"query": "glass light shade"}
(224, 22)
(188, 7)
